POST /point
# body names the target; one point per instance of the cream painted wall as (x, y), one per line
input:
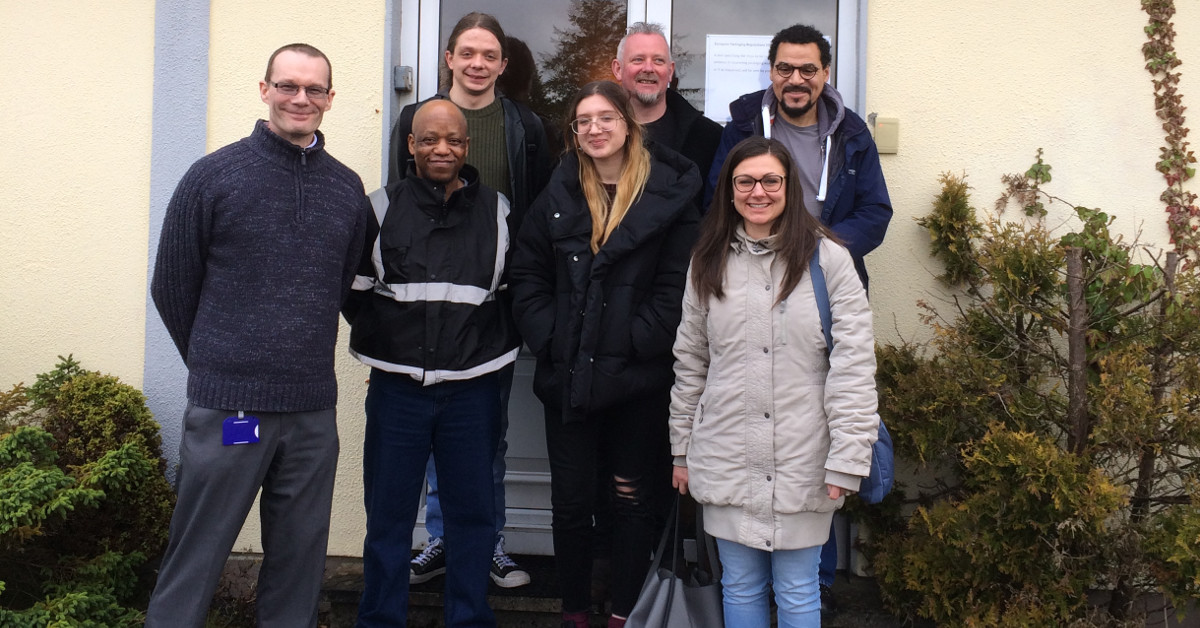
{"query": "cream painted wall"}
(74, 198)
(243, 35)
(979, 86)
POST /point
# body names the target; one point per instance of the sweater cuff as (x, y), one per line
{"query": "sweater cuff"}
(680, 461)
(843, 480)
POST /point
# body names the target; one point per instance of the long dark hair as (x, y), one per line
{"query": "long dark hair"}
(798, 230)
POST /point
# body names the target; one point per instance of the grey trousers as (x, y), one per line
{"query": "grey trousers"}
(294, 464)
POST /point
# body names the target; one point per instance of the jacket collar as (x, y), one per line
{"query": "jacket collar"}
(743, 243)
(669, 194)
(830, 109)
(683, 111)
(281, 151)
(431, 197)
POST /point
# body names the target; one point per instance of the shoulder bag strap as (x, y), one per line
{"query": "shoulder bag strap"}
(822, 295)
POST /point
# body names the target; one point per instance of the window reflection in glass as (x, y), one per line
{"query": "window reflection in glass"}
(693, 20)
(572, 42)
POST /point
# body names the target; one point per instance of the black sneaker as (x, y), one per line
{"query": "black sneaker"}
(430, 563)
(505, 572)
(829, 605)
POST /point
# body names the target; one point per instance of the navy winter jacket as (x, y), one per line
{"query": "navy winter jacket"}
(857, 207)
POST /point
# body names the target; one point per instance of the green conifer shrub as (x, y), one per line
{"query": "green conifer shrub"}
(1059, 402)
(84, 504)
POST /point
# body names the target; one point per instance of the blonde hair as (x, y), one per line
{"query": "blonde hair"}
(607, 212)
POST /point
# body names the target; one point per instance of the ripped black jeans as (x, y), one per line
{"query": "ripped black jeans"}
(629, 442)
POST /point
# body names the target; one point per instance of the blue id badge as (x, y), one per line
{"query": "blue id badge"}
(240, 430)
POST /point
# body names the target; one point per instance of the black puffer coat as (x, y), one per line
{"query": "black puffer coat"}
(602, 325)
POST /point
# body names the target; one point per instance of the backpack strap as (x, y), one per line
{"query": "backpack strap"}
(822, 295)
(878, 482)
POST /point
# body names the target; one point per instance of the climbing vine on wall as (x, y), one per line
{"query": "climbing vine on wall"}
(1176, 163)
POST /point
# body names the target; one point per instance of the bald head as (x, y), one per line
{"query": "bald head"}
(438, 109)
(439, 142)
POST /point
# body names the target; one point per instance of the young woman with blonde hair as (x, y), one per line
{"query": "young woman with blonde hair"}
(597, 283)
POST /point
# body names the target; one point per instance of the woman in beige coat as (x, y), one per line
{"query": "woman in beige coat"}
(768, 429)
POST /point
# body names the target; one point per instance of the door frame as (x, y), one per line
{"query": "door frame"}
(423, 54)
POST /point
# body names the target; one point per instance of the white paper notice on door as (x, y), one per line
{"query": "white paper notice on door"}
(735, 65)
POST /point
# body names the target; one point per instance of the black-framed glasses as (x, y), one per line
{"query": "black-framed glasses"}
(769, 182)
(604, 123)
(291, 89)
(806, 71)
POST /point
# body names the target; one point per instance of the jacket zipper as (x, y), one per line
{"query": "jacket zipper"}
(300, 185)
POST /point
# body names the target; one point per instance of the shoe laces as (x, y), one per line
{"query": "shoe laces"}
(500, 557)
(427, 554)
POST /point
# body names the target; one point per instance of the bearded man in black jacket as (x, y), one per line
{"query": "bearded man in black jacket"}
(645, 68)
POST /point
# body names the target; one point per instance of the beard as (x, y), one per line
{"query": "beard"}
(644, 98)
(647, 99)
(797, 112)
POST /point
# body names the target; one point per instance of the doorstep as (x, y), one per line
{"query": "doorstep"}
(537, 605)
(533, 605)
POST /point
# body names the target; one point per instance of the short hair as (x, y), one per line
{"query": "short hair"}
(475, 19)
(303, 49)
(801, 34)
(643, 28)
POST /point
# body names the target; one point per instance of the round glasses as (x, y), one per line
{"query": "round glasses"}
(604, 124)
(769, 182)
(807, 71)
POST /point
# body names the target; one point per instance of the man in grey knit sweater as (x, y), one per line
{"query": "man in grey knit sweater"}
(259, 248)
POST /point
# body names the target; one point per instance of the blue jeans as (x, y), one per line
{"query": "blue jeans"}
(433, 505)
(749, 574)
(459, 421)
(829, 558)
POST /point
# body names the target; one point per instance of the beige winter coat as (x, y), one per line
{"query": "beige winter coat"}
(759, 415)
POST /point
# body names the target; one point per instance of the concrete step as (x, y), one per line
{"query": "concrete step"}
(537, 605)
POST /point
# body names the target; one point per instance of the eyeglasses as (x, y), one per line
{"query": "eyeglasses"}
(769, 182)
(312, 91)
(604, 123)
(806, 71)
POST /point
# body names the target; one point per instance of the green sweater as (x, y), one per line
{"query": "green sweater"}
(488, 151)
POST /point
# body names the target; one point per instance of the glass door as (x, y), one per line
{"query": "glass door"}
(574, 41)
